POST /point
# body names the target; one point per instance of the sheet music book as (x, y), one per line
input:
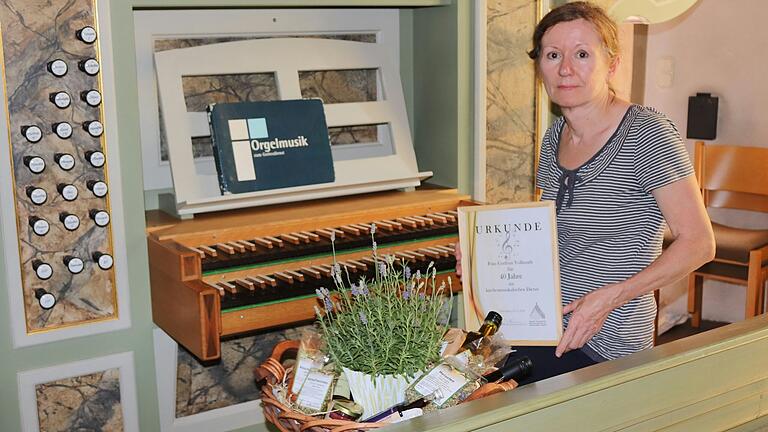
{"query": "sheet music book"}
(270, 145)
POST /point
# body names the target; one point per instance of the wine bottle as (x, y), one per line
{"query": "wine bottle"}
(517, 369)
(489, 327)
(399, 408)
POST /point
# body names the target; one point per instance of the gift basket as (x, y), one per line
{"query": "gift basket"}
(382, 353)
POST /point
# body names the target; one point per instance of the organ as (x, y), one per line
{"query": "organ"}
(251, 269)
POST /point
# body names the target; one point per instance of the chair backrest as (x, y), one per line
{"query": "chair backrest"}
(733, 176)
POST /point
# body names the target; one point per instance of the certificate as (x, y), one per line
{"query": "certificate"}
(510, 265)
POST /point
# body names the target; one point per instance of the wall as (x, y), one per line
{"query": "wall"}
(446, 53)
(715, 47)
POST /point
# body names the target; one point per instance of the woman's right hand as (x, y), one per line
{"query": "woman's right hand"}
(457, 253)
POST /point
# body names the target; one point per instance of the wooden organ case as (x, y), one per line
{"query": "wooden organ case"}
(257, 265)
(225, 274)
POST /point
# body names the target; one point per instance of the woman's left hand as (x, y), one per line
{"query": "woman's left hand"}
(588, 315)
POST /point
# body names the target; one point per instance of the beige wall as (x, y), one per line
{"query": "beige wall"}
(717, 47)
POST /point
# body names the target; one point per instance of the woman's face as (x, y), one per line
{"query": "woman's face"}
(574, 64)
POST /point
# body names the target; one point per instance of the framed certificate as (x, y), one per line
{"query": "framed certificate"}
(510, 265)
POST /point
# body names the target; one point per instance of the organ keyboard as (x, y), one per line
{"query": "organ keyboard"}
(226, 274)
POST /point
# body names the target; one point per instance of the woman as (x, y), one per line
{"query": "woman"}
(616, 172)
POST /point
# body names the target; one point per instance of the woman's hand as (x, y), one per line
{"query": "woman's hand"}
(588, 315)
(457, 252)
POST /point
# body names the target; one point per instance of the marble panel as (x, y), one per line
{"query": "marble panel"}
(510, 108)
(201, 388)
(330, 86)
(84, 403)
(35, 32)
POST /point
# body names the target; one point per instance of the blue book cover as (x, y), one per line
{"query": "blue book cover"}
(270, 145)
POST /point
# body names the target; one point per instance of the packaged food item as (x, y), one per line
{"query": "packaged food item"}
(448, 382)
(314, 391)
(310, 357)
(345, 409)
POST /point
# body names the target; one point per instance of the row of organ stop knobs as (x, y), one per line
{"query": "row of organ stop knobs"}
(36, 164)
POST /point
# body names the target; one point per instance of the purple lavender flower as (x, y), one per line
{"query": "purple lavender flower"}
(407, 272)
(383, 269)
(363, 288)
(356, 291)
(363, 318)
(374, 247)
(407, 293)
(328, 304)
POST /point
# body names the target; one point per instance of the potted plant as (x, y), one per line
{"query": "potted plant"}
(384, 332)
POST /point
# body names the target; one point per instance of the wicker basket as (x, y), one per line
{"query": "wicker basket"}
(289, 420)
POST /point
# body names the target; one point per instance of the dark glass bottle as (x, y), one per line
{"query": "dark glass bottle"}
(517, 369)
(489, 327)
(399, 408)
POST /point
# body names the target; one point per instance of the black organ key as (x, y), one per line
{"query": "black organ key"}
(291, 238)
(408, 222)
(274, 240)
(285, 277)
(350, 230)
(437, 217)
(208, 251)
(236, 246)
(225, 248)
(250, 286)
(250, 246)
(312, 236)
(263, 242)
(303, 237)
(311, 272)
(296, 275)
(228, 287)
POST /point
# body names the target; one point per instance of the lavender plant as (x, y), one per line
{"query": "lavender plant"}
(392, 324)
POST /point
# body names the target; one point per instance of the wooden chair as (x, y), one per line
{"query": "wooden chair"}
(737, 178)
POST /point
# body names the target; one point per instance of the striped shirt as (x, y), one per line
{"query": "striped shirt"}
(609, 226)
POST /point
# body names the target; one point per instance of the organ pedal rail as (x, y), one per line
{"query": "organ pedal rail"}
(245, 270)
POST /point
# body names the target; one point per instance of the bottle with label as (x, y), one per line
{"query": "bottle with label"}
(474, 340)
(397, 410)
(515, 368)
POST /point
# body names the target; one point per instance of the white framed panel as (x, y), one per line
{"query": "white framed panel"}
(197, 191)
(481, 69)
(152, 25)
(9, 229)
(216, 420)
(28, 380)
